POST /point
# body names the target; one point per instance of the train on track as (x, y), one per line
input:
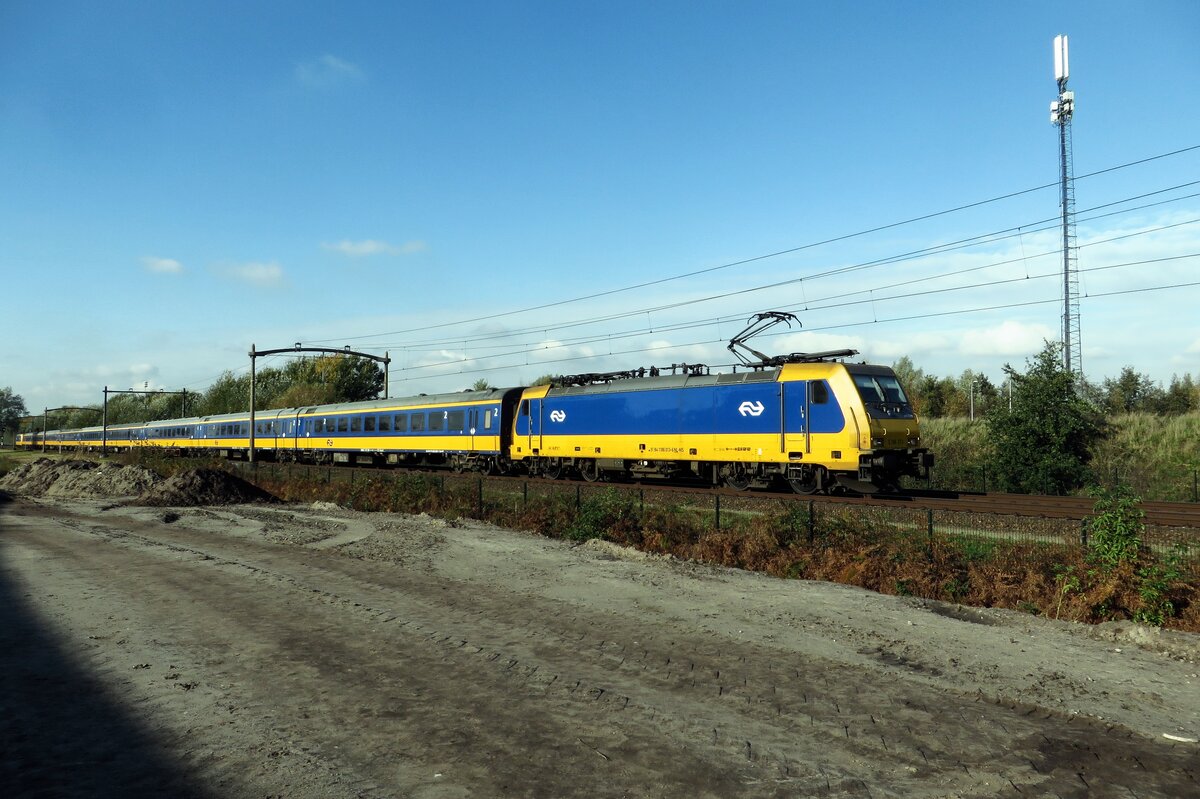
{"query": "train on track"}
(811, 422)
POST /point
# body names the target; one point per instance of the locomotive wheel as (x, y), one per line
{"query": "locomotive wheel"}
(809, 481)
(737, 479)
(553, 469)
(589, 471)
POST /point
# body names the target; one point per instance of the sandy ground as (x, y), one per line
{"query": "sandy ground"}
(276, 651)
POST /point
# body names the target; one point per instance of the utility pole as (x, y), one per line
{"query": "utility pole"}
(1061, 111)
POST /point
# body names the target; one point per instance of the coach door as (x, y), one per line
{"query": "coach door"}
(796, 433)
(531, 420)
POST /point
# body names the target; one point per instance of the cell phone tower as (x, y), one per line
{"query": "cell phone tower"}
(1061, 111)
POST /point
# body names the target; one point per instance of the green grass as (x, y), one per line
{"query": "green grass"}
(1157, 456)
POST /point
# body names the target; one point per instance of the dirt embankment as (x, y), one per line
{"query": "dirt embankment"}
(84, 479)
(78, 479)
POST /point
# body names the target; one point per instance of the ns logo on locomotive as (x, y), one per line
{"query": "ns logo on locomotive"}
(809, 421)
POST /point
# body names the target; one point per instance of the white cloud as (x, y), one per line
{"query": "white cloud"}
(359, 249)
(1010, 338)
(168, 266)
(259, 274)
(914, 345)
(328, 71)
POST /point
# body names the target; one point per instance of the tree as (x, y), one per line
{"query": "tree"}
(481, 385)
(353, 379)
(975, 390)
(12, 408)
(228, 394)
(1043, 445)
(939, 397)
(1130, 392)
(911, 379)
(1181, 396)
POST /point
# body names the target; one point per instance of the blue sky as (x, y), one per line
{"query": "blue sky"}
(184, 179)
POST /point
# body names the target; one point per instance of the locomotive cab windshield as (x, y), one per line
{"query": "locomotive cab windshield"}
(881, 393)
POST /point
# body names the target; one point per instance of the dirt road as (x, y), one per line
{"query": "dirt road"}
(259, 651)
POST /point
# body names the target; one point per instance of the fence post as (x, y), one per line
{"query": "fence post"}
(929, 524)
(641, 502)
(717, 510)
(812, 521)
(480, 497)
(525, 494)
(1194, 493)
(1083, 532)
(578, 501)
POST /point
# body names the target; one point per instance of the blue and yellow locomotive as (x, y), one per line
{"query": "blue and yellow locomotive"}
(814, 426)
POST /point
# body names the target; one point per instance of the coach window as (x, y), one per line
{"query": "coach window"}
(385, 424)
(343, 424)
(418, 423)
(454, 422)
(369, 424)
(437, 421)
(356, 424)
(401, 425)
(487, 420)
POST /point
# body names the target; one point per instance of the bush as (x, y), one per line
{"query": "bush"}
(1116, 528)
(604, 515)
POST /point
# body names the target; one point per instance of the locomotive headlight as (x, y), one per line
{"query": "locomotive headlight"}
(914, 440)
(876, 442)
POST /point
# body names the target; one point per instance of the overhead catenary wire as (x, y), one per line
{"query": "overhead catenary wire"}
(753, 259)
(1050, 223)
(871, 301)
(840, 326)
(810, 303)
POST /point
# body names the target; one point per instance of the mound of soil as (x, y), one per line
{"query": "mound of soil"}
(202, 487)
(78, 479)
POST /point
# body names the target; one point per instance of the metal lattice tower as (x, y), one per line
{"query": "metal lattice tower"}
(1061, 111)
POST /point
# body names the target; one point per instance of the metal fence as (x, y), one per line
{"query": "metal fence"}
(975, 534)
(1167, 484)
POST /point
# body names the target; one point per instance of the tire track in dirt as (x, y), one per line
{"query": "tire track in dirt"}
(775, 719)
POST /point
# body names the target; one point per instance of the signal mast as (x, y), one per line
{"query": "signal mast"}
(1061, 111)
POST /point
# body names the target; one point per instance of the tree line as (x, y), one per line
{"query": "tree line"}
(974, 394)
(300, 382)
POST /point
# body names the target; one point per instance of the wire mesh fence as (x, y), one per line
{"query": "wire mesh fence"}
(812, 522)
(1168, 483)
